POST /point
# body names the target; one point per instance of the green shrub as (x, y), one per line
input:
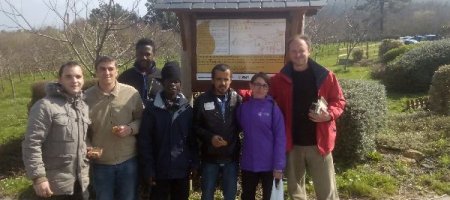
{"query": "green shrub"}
(377, 71)
(364, 115)
(394, 53)
(440, 91)
(414, 70)
(388, 44)
(357, 54)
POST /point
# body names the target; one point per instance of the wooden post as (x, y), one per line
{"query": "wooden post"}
(187, 53)
(297, 23)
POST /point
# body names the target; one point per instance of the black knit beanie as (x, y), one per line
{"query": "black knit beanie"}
(171, 71)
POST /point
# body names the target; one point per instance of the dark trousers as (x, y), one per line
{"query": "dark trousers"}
(174, 189)
(251, 179)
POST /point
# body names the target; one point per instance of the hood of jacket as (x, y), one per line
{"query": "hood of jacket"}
(56, 90)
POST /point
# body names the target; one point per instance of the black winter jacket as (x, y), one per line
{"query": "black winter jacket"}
(208, 121)
(136, 79)
(166, 142)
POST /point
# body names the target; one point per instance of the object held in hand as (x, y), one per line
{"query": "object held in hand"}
(95, 152)
(319, 106)
(116, 129)
(223, 142)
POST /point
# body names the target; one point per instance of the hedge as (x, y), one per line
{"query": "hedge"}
(364, 116)
(388, 44)
(394, 53)
(414, 70)
(440, 91)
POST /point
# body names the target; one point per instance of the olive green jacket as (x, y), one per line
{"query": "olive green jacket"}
(54, 147)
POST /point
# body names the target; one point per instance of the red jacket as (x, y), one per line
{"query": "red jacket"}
(328, 87)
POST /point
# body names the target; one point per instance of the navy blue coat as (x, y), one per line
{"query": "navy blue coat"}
(166, 143)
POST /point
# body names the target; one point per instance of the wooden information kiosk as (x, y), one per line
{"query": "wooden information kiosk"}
(248, 35)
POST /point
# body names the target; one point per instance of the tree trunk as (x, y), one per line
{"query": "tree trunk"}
(367, 49)
(1, 81)
(12, 84)
(32, 75)
(20, 74)
(382, 17)
(42, 74)
(337, 52)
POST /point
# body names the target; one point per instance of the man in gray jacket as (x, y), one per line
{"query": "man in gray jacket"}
(54, 148)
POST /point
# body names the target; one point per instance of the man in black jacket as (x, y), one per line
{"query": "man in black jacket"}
(166, 142)
(144, 76)
(216, 126)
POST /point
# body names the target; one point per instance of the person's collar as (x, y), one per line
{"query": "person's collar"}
(147, 71)
(160, 100)
(267, 97)
(114, 91)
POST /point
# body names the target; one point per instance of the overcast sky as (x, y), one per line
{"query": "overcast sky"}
(38, 14)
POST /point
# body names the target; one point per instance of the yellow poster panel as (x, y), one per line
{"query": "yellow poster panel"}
(241, 63)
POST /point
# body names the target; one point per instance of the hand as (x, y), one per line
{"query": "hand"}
(217, 141)
(277, 174)
(122, 130)
(151, 181)
(43, 189)
(324, 116)
(94, 152)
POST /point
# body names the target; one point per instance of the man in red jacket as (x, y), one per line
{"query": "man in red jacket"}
(310, 132)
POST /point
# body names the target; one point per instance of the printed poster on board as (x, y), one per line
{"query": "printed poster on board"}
(248, 46)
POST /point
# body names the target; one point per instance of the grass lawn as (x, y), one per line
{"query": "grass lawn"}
(13, 120)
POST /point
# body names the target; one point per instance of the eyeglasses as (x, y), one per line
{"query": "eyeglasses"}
(259, 85)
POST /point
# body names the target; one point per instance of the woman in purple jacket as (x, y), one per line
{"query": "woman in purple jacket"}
(263, 150)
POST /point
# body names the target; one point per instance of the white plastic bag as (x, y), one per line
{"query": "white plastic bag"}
(277, 190)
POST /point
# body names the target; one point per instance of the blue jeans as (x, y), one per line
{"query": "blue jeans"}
(210, 173)
(116, 181)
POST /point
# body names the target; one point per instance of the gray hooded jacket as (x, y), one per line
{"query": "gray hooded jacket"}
(54, 148)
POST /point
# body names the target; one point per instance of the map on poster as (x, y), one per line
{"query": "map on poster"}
(247, 45)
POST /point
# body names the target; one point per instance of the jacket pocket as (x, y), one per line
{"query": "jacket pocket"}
(61, 129)
(57, 162)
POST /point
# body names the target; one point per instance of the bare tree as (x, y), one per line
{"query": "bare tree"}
(355, 34)
(87, 35)
(377, 11)
(2, 61)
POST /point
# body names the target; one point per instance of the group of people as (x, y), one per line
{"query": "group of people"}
(139, 129)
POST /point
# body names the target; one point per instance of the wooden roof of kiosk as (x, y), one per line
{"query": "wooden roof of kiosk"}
(189, 11)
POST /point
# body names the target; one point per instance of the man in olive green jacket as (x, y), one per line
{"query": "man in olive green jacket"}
(115, 111)
(54, 148)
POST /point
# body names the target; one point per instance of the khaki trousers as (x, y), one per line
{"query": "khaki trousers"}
(321, 169)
